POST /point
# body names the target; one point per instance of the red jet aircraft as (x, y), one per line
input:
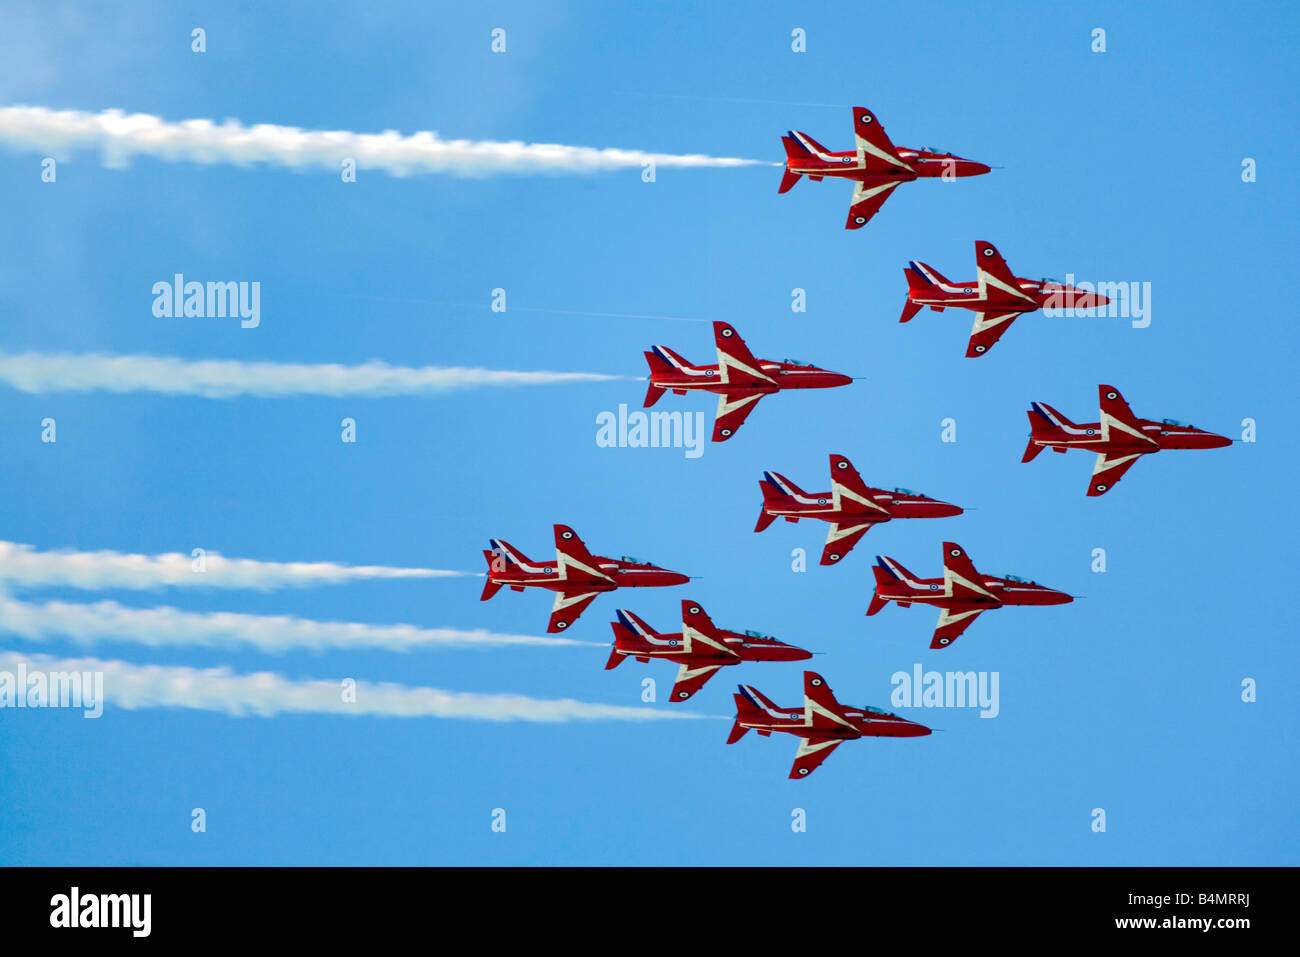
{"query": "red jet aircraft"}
(961, 594)
(851, 506)
(701, 648)
(875, 165)
(1119, 439)
(739, 379)
(576, 577)
(997, 297)
(822, 723)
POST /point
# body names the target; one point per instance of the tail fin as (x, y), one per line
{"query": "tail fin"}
(755, 701)
(910, 309)
(1051, 419)
(780, 485)
(884, 577)
(809, 145)
(887, 571)
(793, 150)
(737, 731)
(749, 704)
(661, 361)
(770, 493)
(923, 276)
(490, 587)
(657, 364)
(615, 656)
(496, 559)
(1038, 423)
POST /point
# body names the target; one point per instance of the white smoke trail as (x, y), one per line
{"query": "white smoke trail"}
(24, 566)
(121, 136)
(229, 378)
(164, 626)
(131, 687)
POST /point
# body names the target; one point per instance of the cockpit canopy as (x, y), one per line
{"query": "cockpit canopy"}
(758, 634)
(870, 710)
(632, 561)
(795, 362)
(908, 491)
(1046, 280)
(1181, 425)
(1017, 578)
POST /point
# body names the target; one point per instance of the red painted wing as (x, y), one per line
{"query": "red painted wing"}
(951, 625)
(690, 679)
(698, 629)
(873, 143)
(1118, 420)
(987, 330)
(867, 201)
(959, 572)
(733, 409)
(577, 564)
(568, 606)
(736, 364)
(1109, 470)
(843, 473)
(996, 273)
(840, 541)
(812, 752)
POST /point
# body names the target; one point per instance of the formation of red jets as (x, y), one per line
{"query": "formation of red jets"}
(851, 507)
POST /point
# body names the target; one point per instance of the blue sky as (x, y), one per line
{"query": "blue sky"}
(1120, 166)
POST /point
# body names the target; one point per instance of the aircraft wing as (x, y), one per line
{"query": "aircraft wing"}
(875, 150)
(951, 625)
(820, 708)
(568, 606)
(847, 483)
(840, 541)
(733, 409)
(812, 752)
(577, 565)
(1116, 416)
(699, 632)
(690, 679)
(987, 330)
(960, 575)
(736, 364)
(994, 273)
(1109, 470)
(867, 201)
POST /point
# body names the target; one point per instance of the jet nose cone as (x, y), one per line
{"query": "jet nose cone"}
(1058, 597)
(915, 730)
(1214, 441)
(973, 168)
(836, 379)
(676, 578)
(946, 509)
(800, 654)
